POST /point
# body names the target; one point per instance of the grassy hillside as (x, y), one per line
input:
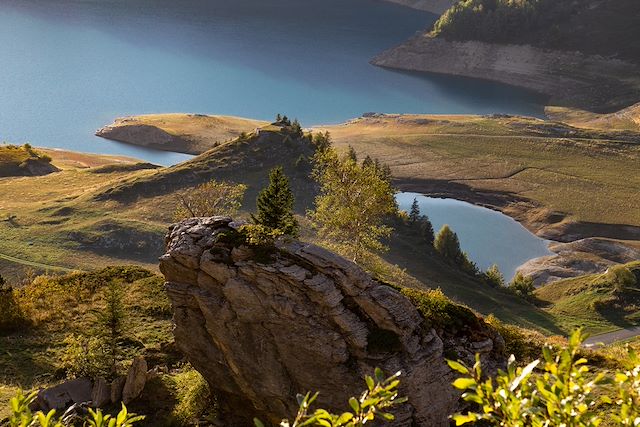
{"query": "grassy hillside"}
(597, 27)
(23, 160)
(58, 310)
(599, 302)
(545, 174)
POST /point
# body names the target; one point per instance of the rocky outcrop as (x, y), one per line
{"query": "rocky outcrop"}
(128, 130)
(586, 256)
(570, 78)
(262, 324)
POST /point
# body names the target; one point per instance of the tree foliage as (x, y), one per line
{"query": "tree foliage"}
(559, 390)
(503, 21)
(275, 205)
(493, 276)
(210, 199)
(522, 285)
(353, 203)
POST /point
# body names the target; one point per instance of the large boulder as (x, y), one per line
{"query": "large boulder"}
(262, 328)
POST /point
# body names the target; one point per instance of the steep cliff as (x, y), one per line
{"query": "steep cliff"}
(262, 324)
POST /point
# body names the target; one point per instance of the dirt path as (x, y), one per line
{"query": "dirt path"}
(35, 264)
(612, 337)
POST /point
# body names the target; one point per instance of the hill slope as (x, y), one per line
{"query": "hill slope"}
(24, 161)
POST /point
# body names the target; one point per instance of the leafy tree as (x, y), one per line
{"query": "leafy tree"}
(275, 205)
(493, 276)
(210, 199)
(322, 141)
(414, 212)
(522, 285)
(374, 403)
(448, 245)
(426, 229)
(354, 201)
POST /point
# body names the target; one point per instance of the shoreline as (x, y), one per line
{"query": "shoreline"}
(570, 79)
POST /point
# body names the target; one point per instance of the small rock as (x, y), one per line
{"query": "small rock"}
(101, 394)
(136, 379)
(116, 389)
(65, 394)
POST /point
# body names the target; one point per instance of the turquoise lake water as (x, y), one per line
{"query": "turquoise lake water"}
(69, 67)
(488, 237)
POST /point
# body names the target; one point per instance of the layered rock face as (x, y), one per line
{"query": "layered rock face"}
(262, 325)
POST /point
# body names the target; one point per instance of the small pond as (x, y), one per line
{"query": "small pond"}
(488, 237)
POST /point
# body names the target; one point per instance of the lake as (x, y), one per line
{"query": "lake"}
(488, 237)
(70, 66)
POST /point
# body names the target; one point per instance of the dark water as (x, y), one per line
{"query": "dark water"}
(489, 237)
(68, 67)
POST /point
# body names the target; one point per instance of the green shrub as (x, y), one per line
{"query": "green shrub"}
(193, 397)
(493, 277)
(22, 416)
(439, 311)
(380, 396)
(522, 285)
(558, 391)
(12, 316)
(85, 357)
(621, 277)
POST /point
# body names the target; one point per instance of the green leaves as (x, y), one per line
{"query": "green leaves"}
(559, 392)
(373, 403)
(21, 415)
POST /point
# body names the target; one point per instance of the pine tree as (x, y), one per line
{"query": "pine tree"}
(426, 229)
(278, 118)
(493, 276)
(448, 245)
(352, 154)
(111, 322)
(414, 212)
(297, 129)
(275, 204)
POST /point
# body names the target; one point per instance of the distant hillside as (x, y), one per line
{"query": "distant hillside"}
(23, 160)
(610, 28)
(182, 133)
(599, 302)
(626, 119)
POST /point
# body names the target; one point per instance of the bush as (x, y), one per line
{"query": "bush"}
(522, 285)
(210, 199)
(85, 357)
(12, 316)
(380, 396)
(193, 396)
(621, 277)
(493, 277)
(22, 416)
(439, 311)
(560, 391)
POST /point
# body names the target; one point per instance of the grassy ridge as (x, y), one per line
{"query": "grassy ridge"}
(23, 160)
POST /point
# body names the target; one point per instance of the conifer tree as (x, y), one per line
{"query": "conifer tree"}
(426, 229)
(352, 154)
(448, 245)
(275, 204)
(414, 212)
